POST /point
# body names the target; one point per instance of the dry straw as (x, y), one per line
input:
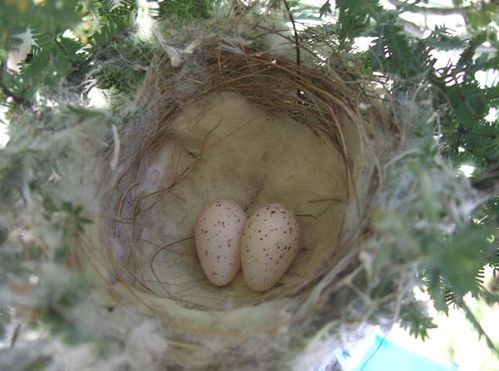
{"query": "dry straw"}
(295, 324)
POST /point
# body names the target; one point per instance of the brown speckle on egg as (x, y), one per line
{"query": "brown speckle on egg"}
(265, 259)
(216, 229)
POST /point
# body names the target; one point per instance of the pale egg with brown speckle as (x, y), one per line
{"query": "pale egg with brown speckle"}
(217, 238)
(269, 243)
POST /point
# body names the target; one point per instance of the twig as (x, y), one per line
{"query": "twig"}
(15, 336)
(297, 45)
(477, 325)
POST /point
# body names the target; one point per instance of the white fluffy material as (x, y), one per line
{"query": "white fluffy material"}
(226, 147)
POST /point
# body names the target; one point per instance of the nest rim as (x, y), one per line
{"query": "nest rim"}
(320, 87)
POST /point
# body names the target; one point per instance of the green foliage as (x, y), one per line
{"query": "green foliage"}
(441, 39)
(455, 268)
(50, 56)
(4, 234)
(56, 304)
(455, 262)
(73, 226)
(354, 17)
(451, 265)
(464, 105)
(187, 10)
(11, 263)
(76, 222)
(103, 33)
(459, 99)
(482, 19)
(11, 174)
(325, 9)
(414, 318)
(123, 64)
(49, 17)
(40, 364)
(488, 215)
(4, 319)
(53, 59)
(393, 53)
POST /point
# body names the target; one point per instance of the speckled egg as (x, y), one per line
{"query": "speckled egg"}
(217, 237)
(270, 241)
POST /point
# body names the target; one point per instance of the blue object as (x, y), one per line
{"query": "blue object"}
(383, 355)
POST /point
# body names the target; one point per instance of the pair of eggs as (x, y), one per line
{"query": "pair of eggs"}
(264, 245)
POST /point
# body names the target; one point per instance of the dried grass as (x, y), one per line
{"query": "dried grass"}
(336, 101)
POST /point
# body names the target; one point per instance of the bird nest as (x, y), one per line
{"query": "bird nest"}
(237, 121)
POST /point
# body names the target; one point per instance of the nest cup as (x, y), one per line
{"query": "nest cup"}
(236, 121)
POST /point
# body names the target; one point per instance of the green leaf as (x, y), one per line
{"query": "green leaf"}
(183, 11)
(459, 260)
(59, 298)
(4, 234)
(477, 19)
(414, 317)
(395, 54)
(466, 57)
(468, 102)
(354, 17)
(5, 318)
(48, 204)
(49, 17)
(41, 364)
(325, 9)
(441, 39)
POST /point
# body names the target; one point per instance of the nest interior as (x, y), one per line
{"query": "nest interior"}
(223, 146)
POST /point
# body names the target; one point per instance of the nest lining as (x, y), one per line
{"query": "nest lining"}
(224, 147)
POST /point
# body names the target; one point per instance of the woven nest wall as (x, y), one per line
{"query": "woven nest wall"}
(239, 122)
